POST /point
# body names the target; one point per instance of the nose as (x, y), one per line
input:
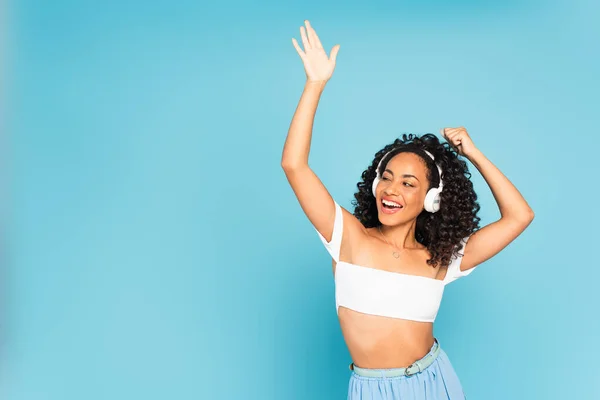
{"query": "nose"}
(390, 190)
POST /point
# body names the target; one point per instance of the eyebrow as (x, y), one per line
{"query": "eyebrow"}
(404, 176)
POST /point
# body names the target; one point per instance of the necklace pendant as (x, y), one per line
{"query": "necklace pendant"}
(396, 254)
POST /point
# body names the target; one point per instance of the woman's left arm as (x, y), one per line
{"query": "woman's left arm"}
(515, 213)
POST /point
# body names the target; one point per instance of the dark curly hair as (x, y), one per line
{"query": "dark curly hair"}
(440, 232)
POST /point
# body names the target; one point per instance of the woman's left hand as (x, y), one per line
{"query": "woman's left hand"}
(460, 140)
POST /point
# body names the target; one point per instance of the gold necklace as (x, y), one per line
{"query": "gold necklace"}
(396, 254)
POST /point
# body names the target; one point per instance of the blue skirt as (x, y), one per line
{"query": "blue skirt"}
(437, 381)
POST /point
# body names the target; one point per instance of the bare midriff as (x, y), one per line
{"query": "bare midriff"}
(383, 342)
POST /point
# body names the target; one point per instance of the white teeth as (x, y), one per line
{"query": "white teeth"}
(391, 203)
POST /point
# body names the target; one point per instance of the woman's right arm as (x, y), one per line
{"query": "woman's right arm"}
(315, 200)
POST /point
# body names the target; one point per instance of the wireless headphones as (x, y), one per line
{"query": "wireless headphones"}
(432, 198)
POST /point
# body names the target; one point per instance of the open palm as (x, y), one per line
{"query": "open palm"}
(317, 65)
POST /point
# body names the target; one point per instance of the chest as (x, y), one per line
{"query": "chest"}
(382, 257)
(385, 293)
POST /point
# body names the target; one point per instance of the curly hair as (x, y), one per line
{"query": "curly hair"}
(440, 232)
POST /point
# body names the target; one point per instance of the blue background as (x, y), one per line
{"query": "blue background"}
(155, 249)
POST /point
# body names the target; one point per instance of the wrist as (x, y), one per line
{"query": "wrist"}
(474, 155)
(320, 84)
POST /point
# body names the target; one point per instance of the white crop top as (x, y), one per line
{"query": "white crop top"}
(384, 293)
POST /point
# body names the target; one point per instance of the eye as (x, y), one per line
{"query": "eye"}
(385, 178)
(408, 184)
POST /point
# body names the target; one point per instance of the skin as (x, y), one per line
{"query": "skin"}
(374, 341)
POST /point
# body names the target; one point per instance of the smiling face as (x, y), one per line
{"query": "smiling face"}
(402, 189)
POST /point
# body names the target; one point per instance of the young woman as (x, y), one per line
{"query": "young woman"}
(414, 229)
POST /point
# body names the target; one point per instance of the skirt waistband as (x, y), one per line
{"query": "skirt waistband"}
(412, 369)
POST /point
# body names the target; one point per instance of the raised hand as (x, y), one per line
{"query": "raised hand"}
(317, 65)
(459, 139)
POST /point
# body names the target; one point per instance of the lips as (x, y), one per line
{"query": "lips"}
(392, 207)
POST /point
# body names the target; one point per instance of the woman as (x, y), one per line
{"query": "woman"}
(414, 230)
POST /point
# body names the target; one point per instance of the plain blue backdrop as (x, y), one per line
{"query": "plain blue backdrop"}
(156, 250)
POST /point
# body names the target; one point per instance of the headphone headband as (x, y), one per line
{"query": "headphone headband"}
(441, 185)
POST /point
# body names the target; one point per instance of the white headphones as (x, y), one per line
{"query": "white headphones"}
(432, 198)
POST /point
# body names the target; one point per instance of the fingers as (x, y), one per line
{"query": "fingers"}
(310, 41)
(305, 41)
(312, 36)
(298, 49)
(334, 53)
(449, 133)
(454, 136)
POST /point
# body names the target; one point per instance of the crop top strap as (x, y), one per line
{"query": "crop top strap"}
(454, 271)
(334, 245)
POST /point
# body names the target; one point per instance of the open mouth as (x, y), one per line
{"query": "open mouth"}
(390, 205)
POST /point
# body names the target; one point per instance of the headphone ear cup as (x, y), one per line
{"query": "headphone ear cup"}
(432, 200)
(374, 186)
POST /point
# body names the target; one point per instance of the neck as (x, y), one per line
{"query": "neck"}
(401, 236)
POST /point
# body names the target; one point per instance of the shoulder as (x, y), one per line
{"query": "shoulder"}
(354, 230)
(354, 233)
